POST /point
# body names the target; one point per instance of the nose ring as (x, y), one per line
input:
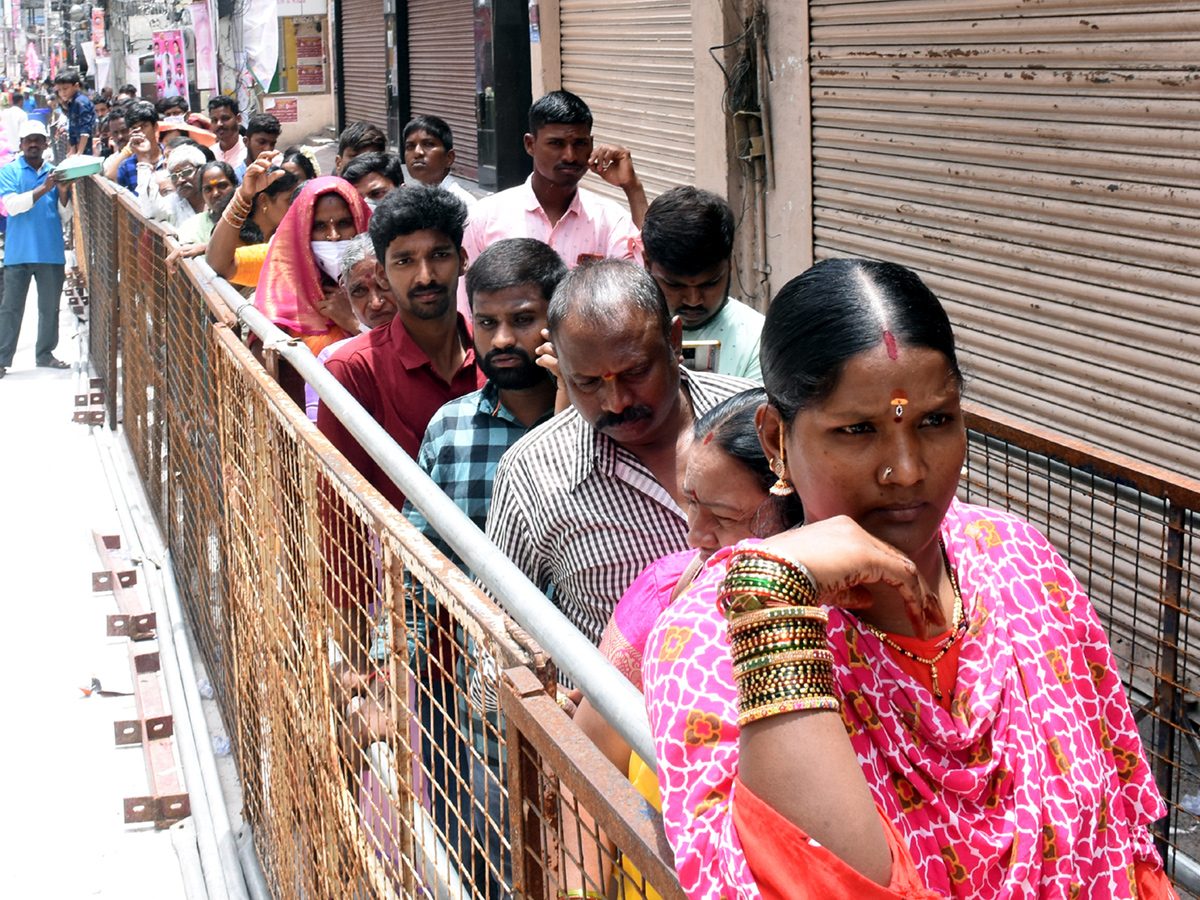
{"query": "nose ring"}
(887, 473)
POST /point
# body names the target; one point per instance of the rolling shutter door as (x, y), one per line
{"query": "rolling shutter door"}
(1038, 165)
(363, 62)
(441, 71)
(632, 62)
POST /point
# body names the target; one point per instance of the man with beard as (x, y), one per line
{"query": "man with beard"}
(404, 372)
(586, 502)
(509, 287)
(216, 183)
(36, 205)
(688, 235)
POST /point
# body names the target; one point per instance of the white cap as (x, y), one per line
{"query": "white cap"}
(31, 127)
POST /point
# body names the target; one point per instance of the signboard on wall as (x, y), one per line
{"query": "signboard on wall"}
(285, 109)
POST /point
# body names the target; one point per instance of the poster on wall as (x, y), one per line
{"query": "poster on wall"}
(285, 109)
(206, 47)
(170, 64)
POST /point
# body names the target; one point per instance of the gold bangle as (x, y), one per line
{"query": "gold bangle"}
(787, 656)
(786, 706)
(746, 620)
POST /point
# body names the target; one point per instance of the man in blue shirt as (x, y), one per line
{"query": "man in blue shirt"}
(35, 202)
(81, 113)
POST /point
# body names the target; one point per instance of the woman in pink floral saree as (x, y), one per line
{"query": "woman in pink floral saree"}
(984, 747)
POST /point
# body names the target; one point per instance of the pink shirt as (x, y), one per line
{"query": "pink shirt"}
(235, 155)
(592, 225)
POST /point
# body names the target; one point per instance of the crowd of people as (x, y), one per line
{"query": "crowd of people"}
(858, 685)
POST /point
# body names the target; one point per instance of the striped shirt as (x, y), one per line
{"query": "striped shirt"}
(575, 510)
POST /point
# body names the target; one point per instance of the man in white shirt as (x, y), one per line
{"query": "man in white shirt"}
(429, 155)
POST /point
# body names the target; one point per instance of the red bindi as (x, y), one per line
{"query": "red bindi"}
(889, 341)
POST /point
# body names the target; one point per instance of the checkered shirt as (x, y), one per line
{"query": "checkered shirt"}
(575, 510)
(460, 452)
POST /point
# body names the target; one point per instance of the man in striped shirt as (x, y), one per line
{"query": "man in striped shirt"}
(588, 500)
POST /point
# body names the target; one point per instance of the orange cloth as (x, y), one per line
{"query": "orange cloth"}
(947, 666)
(318, 342)
(807, 871)
(249, 261)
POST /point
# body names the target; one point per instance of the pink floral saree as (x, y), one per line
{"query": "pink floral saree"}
(1033, 785)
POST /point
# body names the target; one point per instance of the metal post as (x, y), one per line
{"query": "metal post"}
(1169, 700)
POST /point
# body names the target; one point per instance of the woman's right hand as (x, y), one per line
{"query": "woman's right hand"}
(258, 174)
(844, 559)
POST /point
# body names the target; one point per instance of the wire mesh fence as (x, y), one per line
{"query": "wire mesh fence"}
(358, 671)
(95, 212)
(396, 734)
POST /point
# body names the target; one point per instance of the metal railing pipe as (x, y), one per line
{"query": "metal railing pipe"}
(615, 698)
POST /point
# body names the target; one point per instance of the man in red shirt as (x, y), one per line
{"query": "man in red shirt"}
(404, 373)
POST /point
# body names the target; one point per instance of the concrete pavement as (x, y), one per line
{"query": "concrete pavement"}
(63, 833)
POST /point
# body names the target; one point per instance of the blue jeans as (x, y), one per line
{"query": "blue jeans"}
(49, 277)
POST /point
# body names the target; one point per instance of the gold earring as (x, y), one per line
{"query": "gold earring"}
(782, 487)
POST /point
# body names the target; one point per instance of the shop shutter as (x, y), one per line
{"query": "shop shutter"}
(632, 62)
(441, 71)
(1037, 163)
(363, 62)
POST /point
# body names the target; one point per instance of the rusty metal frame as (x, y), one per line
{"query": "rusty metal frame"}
(539, 729)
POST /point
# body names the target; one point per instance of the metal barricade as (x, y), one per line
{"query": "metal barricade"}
(367, 731)
(95, 210)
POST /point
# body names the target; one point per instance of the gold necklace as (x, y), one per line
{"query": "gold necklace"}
(957, 627)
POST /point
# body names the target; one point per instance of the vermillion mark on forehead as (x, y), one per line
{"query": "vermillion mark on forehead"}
(889, 341)
(875, 301)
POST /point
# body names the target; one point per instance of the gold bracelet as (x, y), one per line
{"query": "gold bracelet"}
(745, 717)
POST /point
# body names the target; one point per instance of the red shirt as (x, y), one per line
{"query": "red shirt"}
(396, 383)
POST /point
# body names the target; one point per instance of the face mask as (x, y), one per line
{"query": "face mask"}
(372, 205)
(329, 256)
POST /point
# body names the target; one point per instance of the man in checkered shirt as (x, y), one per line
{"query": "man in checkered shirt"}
(590, 499)
(509, 287)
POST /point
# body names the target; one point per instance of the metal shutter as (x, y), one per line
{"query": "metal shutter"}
(1038, 163)
(363, 61)
(441, 72)
(632, 62)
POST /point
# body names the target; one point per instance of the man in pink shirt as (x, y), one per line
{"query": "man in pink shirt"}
(224, 117)
(550, 206)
